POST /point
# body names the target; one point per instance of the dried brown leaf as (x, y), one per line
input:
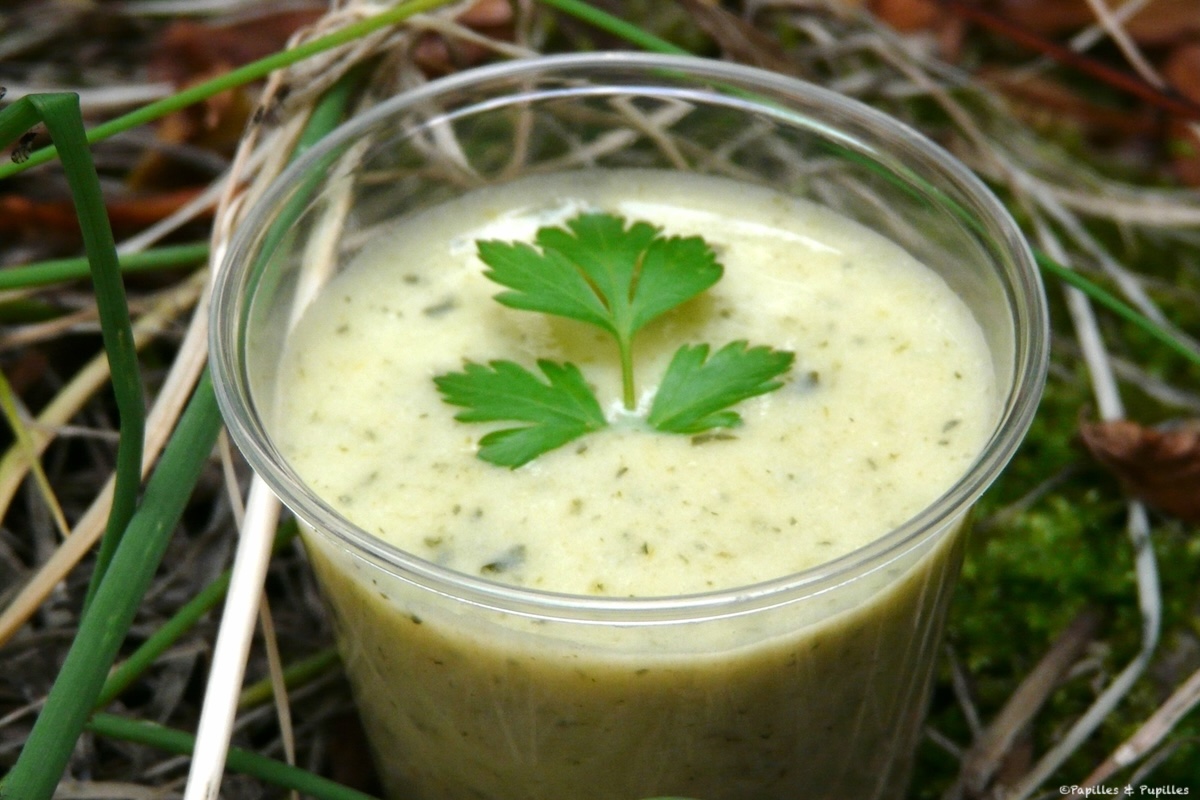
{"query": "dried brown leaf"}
(1161, 467)
(188, 53)
(1182, 72)
(187, 50)
(26, 217)
(1158, 23)
(485, 14)
(1046, 103)
(438, 55)
(908, 15)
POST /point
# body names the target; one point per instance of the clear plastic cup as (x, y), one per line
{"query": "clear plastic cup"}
(809, 685)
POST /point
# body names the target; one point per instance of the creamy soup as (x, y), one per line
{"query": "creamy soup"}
(889, 401)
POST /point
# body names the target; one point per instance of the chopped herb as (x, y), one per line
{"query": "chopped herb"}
(509, 560)
(440, 309)
(705, 438)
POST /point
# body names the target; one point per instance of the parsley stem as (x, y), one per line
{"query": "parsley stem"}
(625, 346)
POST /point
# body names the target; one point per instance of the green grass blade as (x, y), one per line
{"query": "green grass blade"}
(181, 743)
(16, 120)
(295, 675)
(1111, 302)
(64, 119)
(232, 79)
(107, 620)
(60, 270)
(174, 628)
(616, 26)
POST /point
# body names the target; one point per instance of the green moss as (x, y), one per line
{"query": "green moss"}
(1049, 540)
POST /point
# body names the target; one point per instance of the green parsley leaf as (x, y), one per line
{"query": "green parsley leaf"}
(619, 277)
(598, 271)
(696, 390)
(562, 409)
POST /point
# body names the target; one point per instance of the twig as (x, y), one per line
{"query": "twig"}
(1185, 698)
(1152, 762)
(985, 756)
(962, 693)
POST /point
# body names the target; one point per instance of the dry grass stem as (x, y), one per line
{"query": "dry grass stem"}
(266, 621)
(1181, 702)
(32, 334)
(279, 692)
(18, 421)
(110, 790)
(233, 643)
(1121, 38)
(452, 29)
(1095, 32)
(160, 423)
(100, 100)
(985, 756)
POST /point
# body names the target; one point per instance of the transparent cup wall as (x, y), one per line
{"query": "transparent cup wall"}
(810, 686)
